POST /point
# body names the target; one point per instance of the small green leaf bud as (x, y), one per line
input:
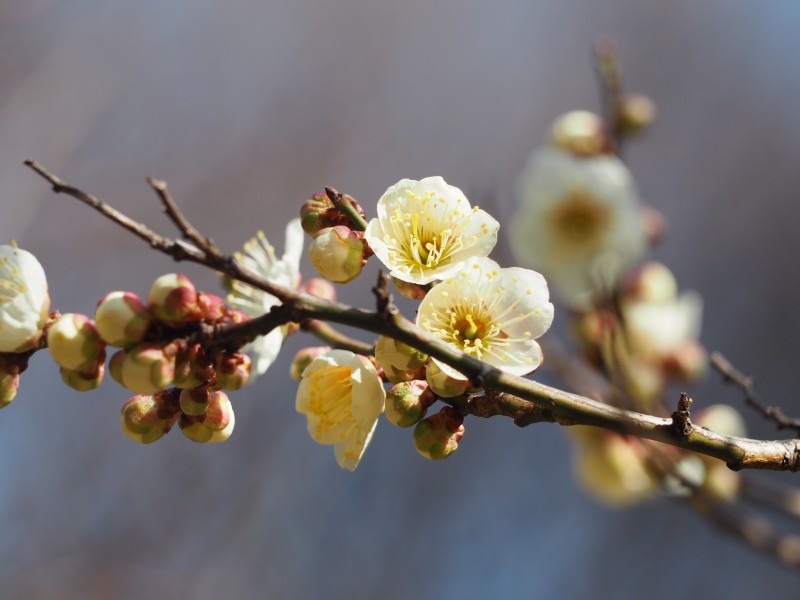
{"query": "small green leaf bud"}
(437, 436)
(407, 402)
(337, 254)
(314, 213)
(122, 319)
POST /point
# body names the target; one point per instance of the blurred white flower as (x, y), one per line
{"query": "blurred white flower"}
(259, 256)
(24, 300)
(342, 397)
(579, 222)
(425, 229)
(490, 313)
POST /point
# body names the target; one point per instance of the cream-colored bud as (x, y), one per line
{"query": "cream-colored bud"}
(582, 133)
(688, 361)
(146, 418)
(437, 436)
(233, 370)
(407, 402)
(194, 402)
(410, 290)
(173, 299)
(147, 368)
(399, 361)
(84, 381)
(636, 113)
(652, 282)
(215, 425)
(319, 288)
(442, 384)
(74, 343)
(337, 254)
(122, 319)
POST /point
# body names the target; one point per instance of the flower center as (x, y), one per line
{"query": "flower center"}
(580, 220)
(331, 397)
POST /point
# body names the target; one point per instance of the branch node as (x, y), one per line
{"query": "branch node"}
(383, 298)
(681, 421)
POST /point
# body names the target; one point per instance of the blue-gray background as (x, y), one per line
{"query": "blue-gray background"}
(247, 108)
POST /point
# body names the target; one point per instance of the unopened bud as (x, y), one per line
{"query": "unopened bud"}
(173, 299)
(319, 288)
(414, 291)
(442, 384)
(303, 358)
(74, 343)
(688, 361)
(194, 402)
(192, 368)
(337, 254)
(636, 113)
(84, 381)
(233, 370)
(146, 418)
(9, 381)
(146, 368)
(652, 282)
(215, 425)
(314, 213)
(399, 361)
(581, 133)
(407, 402)
(122, 319)
(210, 306)
(437, 436)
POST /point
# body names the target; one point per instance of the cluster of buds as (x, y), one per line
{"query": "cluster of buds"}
(203, 414)
(337, 252)
(155, 353)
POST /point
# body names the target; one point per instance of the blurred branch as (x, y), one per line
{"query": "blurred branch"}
(772, 413)
(564, 407)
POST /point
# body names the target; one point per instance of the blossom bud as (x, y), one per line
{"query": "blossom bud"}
(215, 425)
(233, 370)
(407, 402)
(303, 358)
(442, 384)
(582, 133)
(211, 306)
(437, 437)
(192, 368)
(146, 368)
(74, 343)
(173, 299)
(314, 213)
(115, 366)
(85, 381)
(24, 300)
(399, 361)
(652, 282)
(9, 381)
(146, 418)
(319, 288)
(337, 254)
(636, 113)
(414, 291)
(194, 402)
(688, 361)
(122, 319)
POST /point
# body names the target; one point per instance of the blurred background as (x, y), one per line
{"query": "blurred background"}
(247, 108)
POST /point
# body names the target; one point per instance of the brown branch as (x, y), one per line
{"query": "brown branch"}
(565, 408)
(772, 413)
(205, 244)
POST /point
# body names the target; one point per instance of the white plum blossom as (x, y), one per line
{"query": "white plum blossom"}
(342, 397)
(579, 222)
(259, 256)
(24, 299)
(490, 313)
(425, 229)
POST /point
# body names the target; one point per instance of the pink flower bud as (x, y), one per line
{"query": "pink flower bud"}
(687, 362)
(194, 402)
(437, 437)
(173, 299)
(215, 425)
(192, 368)
(652, 282)
(407, 402)
(84, 381)
(414, 291)
(233, 370)
(147, 418)
(122, 319)
(319, 288)
(211, 307)
(303, 358)
(74, 343)
(146, 368)
(337, 254)
(115, 366)
(314, 213)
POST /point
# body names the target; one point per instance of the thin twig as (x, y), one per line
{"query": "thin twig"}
(345, 204)
(181, 222)
(772, 413)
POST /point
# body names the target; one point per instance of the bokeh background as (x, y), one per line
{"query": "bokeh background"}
(248, 107)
